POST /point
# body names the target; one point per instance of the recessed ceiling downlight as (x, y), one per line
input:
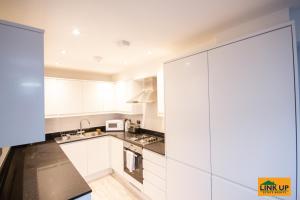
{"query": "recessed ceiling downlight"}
(76, 32)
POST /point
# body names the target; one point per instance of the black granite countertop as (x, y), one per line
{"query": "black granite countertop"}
(40, 171)
(158, 147)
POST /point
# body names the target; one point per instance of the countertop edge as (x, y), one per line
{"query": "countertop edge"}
(113, 134)
(11, 188)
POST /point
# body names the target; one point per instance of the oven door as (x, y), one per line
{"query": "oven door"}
(137, 172)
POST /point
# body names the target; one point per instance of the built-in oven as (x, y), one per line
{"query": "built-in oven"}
(133, 161)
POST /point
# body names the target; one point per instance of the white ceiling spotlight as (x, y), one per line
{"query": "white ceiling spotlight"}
(76, 32)
(63, 52)
(149, 52)
(123, 43)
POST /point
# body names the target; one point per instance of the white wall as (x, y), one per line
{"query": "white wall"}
(152, 122)
(72, 123)
(264, 22)
(75, 74)
(261, 23)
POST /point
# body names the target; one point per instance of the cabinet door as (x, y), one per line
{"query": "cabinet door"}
(160, 93)
(186, 111)
(184, 182)
(225, 190)
(120, 97)
(252, 104)
(97, 154)
(92, 93)
(77, 153)
(52, 90)
(116, 150)
(21, 85)
(70, 97)
(153, 192)
(107, 95)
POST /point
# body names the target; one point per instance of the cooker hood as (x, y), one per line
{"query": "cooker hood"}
(148, 93)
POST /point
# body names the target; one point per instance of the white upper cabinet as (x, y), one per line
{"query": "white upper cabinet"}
(92, 96)
(66, 97)
(252, 104)
(98, 96)
(63, 97)
(107, 95)
(186, 111)
(52, 97)
(160, 93)
(121, 96)
(70, 96)
(21, 84)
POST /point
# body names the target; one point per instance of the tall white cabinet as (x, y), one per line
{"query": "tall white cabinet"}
(187, 126)
(160, 93)
(231, 115)
(252, 109)
(21, 84)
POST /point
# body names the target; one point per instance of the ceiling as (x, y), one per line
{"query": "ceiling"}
(155, 28)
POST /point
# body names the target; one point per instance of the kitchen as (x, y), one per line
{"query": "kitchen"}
(199, 106)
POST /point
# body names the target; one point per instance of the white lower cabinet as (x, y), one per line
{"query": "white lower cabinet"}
(153, 192)
(88, 156)
(225, 190)
(97, 155)
(76, 152)
(116, 155)
(184, 182)
(154, 184)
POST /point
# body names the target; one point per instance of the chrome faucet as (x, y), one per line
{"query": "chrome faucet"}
(81, 131)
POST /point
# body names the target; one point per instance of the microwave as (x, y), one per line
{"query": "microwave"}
(114, 125)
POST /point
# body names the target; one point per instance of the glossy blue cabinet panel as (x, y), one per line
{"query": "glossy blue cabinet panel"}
(21, 85)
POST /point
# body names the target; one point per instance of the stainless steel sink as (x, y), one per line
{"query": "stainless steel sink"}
(73, 137)
(91, 134)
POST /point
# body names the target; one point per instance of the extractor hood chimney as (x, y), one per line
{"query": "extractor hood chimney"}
(148, 93)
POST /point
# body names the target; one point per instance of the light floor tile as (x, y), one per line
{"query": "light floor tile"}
(109, 188)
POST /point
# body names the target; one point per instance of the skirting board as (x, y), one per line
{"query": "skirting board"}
(98, 175)
(136, 191)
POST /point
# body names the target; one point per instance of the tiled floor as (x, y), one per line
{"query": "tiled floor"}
(109, 188)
